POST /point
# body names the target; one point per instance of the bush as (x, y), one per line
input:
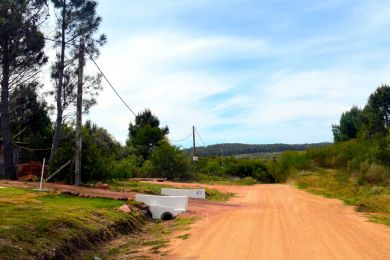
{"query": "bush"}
(169, 162)
(376, 174)
(289, 161)
(247, 181)
(125, 168)
(249, 168)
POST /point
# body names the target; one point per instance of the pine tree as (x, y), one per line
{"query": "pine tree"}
(21, 56)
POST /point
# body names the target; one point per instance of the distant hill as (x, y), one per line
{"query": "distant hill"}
(230, 149)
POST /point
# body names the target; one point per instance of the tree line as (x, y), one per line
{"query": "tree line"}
(230, 149)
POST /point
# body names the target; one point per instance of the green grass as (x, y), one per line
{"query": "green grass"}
(137, 186)
(333, 183)
(184, 236)
(215, 195)
(152, 188)
(36, 224)
(146, 243)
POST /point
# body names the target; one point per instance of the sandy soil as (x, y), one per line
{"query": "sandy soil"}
(281, 222)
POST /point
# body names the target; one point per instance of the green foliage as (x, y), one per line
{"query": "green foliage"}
(249, 168)
(350, 122)
(98, 154)
(288, 161)
(21, 56)
(377, 111)
(63, 154)
(169, 162)
(234, 171)
(145, 134)
(30, 122)
(125, 168)
(374, 173)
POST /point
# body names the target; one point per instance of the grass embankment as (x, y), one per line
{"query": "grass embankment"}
(369, 198)
(147, 244)
(46, 225)
(153, 188)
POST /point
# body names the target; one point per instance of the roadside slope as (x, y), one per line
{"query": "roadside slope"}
(281, 222)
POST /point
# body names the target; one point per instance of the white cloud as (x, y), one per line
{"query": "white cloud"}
(149, 71)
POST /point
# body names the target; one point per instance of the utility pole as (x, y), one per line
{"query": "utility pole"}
(193, 141)
(77, 179)
(222, 155)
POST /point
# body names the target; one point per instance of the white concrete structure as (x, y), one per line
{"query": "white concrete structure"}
(163, 207)
(191, 193)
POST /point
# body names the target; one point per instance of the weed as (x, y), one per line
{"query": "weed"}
(184, 236)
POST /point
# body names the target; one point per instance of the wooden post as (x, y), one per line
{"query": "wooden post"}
(43, 169)
(77, 179)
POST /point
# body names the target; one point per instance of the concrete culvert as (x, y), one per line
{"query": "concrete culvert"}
(166, 216)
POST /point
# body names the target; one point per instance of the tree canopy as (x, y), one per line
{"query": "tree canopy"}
(145, 134)
(348, 127)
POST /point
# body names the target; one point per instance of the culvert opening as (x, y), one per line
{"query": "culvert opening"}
(166, 216)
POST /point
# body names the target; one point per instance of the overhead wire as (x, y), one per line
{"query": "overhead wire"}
(100, 70)
(119, 96)
(180, 140)
(201, 139)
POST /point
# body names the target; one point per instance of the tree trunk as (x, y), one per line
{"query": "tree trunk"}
(77, 178)
(57, 130)
(9, 167)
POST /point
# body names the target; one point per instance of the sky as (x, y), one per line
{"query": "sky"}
(277, 71)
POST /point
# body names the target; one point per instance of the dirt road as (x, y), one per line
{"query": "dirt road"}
(281, 222)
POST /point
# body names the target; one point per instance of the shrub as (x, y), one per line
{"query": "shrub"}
(169, 162)
(125, 168)
(247, 181)
(376, 174)
(249, 168)
(376, 190)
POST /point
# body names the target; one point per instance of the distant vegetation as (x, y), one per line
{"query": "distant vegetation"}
(229, 149)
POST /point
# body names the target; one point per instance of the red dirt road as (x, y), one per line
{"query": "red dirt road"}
(281, 222)
(82, 191)
(266, 222)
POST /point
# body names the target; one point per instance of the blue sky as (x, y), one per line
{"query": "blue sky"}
(242, 71)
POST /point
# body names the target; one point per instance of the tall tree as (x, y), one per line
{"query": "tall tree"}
(145, 133)
(21, 56)
(348, 127)
(377, 111)
(75, 19)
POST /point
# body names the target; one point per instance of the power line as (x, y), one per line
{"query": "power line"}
(176, 141)
(109, 83)
(97, 66)
(196, 130)
(31, 149)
